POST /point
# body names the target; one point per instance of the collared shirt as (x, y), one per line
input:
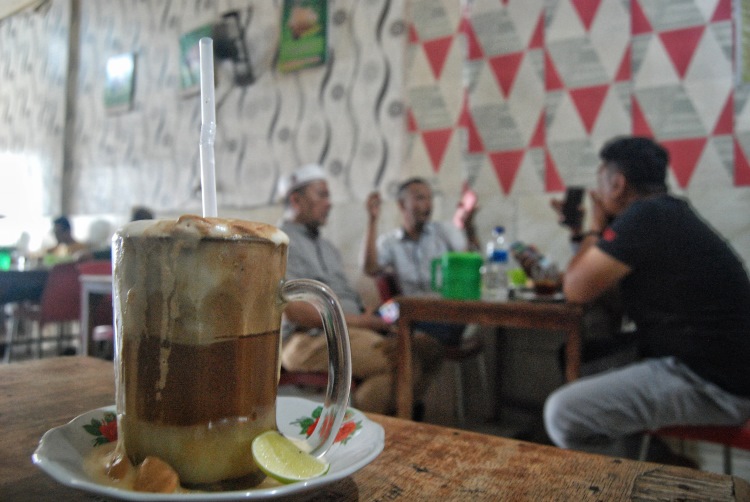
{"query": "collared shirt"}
(411, 260)
(313, 257)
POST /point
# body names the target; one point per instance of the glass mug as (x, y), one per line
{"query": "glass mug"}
(198, 305)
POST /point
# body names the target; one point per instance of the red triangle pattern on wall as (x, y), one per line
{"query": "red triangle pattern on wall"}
(640, 124)
(538, 139)
(552, 80)
(639, 23)
(436, 143)
(723, 11)
(437, 51)
(537, 39)
(506, 166)
(473, 47)
(741, 166)
(725, 123)
(680, 45)
(624, 72)
(411, 122)
(552, 180)
(465, 120)
(586, 10)
(684, 155)
(413, 35)
(588, 102)
(505, 68)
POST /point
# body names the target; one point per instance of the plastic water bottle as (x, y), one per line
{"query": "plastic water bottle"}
(495, 269)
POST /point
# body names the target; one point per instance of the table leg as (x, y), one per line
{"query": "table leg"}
(85, 328)
(572, 354)
(404, 371)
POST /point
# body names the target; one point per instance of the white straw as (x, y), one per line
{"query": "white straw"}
(208, 127)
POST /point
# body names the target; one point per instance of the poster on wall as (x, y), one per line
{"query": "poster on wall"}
(304, 34)
(190, 59)
(120, 83)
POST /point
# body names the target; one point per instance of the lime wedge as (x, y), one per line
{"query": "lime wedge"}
(280, 459)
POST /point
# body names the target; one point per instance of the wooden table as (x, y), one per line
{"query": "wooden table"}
(91, 284)
(419, 462)
(556, 316)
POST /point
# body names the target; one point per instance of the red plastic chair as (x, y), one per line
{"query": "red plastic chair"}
(60, 304)
(737, 436)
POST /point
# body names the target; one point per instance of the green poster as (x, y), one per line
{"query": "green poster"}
(304, 34)
(120, 81)
(190, 60)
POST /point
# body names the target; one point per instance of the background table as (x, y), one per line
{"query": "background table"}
(553, 316)
(419, 462)
(91, 284)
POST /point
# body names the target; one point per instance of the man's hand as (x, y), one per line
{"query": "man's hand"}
(599, 217)
(557, 206)
(372, 204)
(369, 248)
(369, 320)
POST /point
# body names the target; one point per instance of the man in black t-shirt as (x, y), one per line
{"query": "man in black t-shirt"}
(688, 294)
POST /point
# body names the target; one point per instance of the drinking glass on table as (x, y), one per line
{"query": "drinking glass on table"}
(198, 304)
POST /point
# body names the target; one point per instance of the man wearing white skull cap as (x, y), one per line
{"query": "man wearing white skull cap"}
(311, 256)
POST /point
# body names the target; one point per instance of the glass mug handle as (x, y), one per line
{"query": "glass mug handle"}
(339, 358)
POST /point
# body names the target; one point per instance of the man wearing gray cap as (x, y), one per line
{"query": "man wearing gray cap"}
(311, 256)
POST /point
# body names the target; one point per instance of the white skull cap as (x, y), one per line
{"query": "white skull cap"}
(300, 177)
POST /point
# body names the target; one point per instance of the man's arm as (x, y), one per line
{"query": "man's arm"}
(472, 242)
(591, 273)
(370, 250)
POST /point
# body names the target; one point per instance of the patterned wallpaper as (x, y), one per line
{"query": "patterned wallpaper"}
(515, 96)
(33, 72)
(546, 82)
(347, 115)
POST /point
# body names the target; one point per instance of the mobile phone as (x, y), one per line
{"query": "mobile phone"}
(389, 311)
(571, 208)
(467, 204)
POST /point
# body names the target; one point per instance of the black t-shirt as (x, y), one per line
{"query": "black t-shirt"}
(688, 292)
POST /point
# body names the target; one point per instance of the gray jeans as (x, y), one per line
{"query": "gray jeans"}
(607, 413)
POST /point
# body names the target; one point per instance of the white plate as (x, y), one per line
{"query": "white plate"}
(61, 452)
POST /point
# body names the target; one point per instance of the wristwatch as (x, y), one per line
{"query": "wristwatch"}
(579, 237)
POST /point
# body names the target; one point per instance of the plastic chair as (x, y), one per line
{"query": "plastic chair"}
(471, 347)
(103, 337)
(60, 304)
(737, 436)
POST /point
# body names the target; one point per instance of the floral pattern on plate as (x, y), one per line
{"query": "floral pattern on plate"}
(62, 450)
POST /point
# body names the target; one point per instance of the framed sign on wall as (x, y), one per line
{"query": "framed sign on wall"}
(190, 59)
(304, 34)
(120, 83)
